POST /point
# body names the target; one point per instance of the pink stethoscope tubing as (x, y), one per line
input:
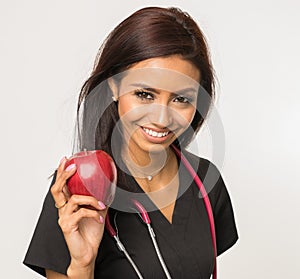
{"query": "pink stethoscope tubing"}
(206, 203)
(146, 219)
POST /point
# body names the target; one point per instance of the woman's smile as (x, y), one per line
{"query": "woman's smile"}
(156, 136)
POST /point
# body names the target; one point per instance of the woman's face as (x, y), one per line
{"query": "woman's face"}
(157, 101)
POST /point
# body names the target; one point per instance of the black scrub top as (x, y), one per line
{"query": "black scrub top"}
(186, 244)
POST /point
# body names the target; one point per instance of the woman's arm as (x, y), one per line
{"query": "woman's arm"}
(55, 275)
(73, 273)
(81, 219)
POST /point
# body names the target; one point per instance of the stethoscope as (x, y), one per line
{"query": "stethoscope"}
(146, 219)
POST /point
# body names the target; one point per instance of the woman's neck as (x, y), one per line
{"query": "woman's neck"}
(162, 166)
(150, 167)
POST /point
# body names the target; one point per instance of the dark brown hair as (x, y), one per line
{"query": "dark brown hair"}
(149, 32)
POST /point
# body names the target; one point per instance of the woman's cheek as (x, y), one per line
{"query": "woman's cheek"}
(134, 115)
(183, 121)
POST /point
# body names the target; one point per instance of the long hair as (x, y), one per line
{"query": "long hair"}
(148, 33)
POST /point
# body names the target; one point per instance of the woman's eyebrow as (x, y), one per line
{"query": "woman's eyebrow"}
(151, 89)
(145, 86)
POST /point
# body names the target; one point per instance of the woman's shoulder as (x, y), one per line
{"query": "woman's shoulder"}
(208, 172)
(200, 164)
(220, 200)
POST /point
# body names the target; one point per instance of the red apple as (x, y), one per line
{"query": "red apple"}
(95, 175)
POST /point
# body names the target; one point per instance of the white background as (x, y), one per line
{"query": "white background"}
(47, 50)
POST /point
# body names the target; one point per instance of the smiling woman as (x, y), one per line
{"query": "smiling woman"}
(149, 93)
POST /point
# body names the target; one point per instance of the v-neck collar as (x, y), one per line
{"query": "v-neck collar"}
(181, 210)
(182, 205)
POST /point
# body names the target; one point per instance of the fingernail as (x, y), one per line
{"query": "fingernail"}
(72, 166)
(101, 205)
(62, 159)
(101, 219)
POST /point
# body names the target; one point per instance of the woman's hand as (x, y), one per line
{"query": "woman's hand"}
(81, 219)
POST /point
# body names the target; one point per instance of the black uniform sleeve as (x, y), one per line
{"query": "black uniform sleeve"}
(48, 249)
(225, 226)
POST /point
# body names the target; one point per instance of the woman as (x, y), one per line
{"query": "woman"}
(155, 66)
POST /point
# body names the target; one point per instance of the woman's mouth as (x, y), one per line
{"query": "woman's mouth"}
(155, 136)
(155, 133)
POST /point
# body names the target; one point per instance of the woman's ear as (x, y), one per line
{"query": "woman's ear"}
(114, 88)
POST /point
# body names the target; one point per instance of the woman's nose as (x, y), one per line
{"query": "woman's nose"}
(160, 115)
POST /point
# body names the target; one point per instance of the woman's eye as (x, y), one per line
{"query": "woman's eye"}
(144, 95)
(181, 99)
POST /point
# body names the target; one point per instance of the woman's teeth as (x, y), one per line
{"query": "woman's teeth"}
(154, 133)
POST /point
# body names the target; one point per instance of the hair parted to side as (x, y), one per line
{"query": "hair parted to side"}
(147, 33)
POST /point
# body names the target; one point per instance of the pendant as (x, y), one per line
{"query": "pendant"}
(149, 177)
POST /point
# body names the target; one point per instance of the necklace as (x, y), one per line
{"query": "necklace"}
(141, 172)
(149, 177)
(148, 171)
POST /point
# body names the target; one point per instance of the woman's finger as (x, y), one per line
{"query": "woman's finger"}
(59, 189)
(78, 201)
(61, 165)
(66, 192)
(64, 176)
(61, 205)
(69, 224)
